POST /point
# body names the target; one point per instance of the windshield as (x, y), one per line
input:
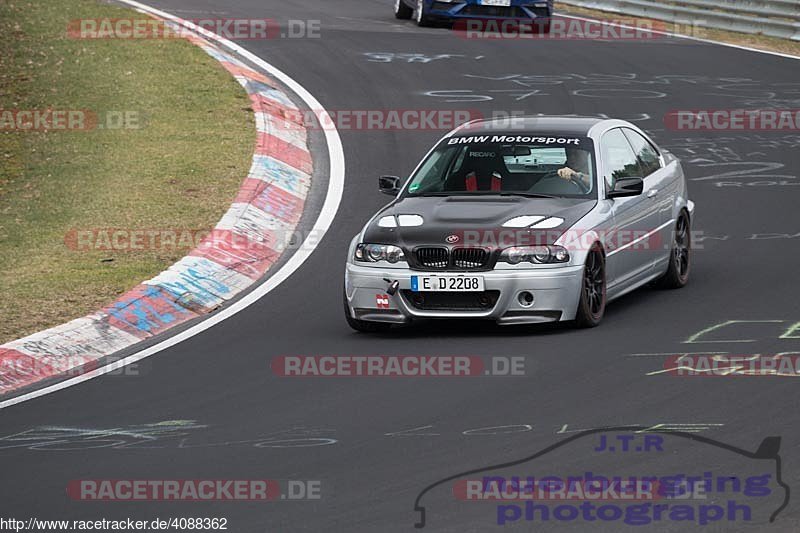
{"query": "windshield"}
(530, 165)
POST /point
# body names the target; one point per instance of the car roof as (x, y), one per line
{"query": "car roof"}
(570, 125)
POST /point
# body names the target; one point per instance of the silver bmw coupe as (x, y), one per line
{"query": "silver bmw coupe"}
(523, 220)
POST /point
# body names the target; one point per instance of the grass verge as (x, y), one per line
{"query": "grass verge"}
(760, 42)
(177, 162)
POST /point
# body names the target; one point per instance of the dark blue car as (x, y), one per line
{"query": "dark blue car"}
(426, 12)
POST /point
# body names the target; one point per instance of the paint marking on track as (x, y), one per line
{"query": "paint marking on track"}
(333, 198)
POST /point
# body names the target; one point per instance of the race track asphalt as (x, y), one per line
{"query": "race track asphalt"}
(375, 443)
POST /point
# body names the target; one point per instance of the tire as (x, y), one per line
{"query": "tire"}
(362, 326)
(680, 264)
(592, 304)
(543, 28)
(401, 10)
(420, 16)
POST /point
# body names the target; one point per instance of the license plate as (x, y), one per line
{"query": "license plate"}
(503, 3)
(447, 283)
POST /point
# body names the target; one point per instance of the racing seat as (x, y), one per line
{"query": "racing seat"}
(482, 170)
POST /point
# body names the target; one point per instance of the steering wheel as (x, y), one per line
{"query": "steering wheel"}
(580, 187)
(580, 183)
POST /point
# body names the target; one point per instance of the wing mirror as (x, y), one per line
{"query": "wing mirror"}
(389, 185)
(627, 187)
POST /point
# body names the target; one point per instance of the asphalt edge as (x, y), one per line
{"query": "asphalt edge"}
(675, 35)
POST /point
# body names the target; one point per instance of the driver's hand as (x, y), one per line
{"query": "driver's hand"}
(566, 173)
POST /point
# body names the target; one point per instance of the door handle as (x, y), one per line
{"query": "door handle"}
(652, 193)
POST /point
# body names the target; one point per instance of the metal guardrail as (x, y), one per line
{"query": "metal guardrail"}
(775, 18)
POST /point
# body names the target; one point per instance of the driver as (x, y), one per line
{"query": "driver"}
(577, 167)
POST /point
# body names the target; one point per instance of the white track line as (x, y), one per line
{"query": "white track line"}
(329, 208)
(677, 35)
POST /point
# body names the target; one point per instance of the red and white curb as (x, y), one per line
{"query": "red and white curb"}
(268, 206)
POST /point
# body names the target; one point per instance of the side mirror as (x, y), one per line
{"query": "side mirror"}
(627, 187)
(389, 185)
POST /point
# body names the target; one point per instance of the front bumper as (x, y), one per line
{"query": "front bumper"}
(556, 293)
(470, 10)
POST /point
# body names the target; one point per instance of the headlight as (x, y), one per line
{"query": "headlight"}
(372, 253)
(535, 254)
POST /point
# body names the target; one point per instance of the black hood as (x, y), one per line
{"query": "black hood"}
(469, 217)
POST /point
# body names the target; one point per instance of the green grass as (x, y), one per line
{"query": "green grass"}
(180, 169)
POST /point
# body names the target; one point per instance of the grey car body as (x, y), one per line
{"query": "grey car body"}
(631, 231)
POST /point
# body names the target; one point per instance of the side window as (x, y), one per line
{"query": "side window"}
(459, 160)
(647, 154)
(430, 176)
(619, 161)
